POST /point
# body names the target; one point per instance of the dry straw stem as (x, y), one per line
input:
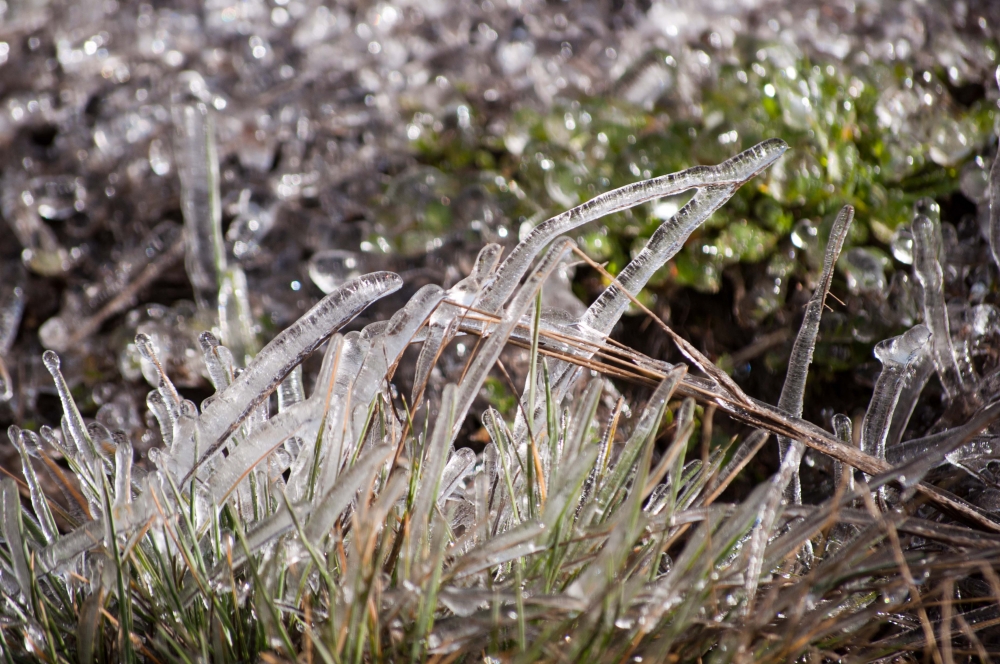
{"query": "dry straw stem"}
(745, 409)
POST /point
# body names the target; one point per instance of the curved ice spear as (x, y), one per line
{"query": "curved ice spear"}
(731, 173)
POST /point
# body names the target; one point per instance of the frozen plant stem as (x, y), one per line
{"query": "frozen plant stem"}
(790, 401)
(927, 268)
(794, 388)
(198, 168)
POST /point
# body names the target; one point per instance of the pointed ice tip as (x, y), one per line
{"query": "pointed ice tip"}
(51, 361)
(905, 348)
(145, 347)
(759, 157)
(208, 341)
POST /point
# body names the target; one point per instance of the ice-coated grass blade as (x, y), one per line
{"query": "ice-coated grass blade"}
(274, 362)
(735, 171)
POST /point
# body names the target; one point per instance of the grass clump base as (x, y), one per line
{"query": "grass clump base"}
(352, 525)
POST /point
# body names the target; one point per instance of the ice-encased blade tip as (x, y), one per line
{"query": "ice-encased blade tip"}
(51, 360)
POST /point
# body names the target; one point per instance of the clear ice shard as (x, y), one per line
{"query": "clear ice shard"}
(927, 268)
(732, 172)
(201, 207)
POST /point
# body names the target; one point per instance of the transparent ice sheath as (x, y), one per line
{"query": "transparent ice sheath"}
(198, 167)
(927, 269)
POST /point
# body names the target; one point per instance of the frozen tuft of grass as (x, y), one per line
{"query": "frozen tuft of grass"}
(352, 525)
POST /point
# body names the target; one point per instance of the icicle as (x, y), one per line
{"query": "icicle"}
(38, 502)
(341, 363)
(315, 470)
(321, 520)
(286, 351)
(154, 401)
(648, 422)
(790, 403)
(301, 420)
(488, 353)
(235, 318)
(432, 466)
(664, 244)
(909, 395)
(198, 167)
(734, 171)
(147, 349)
(898, 356)
(927, 269)
(389, 346)
(11, 309)
(583, 417)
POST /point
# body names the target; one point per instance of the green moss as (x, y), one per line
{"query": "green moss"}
(847, 146)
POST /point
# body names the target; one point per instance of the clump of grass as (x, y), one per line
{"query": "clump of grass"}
(352, 526)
